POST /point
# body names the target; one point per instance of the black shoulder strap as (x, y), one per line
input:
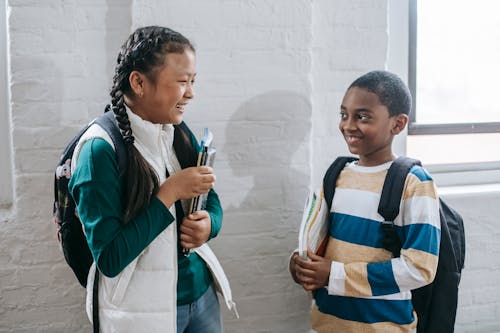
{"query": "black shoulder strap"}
(95, 302)
(183, 146)
(394, 183)
(390, 199)
(108, 123)
(331, 175)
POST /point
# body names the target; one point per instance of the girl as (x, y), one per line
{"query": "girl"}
(135, 225)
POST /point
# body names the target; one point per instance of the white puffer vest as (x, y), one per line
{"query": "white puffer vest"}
(142, 298)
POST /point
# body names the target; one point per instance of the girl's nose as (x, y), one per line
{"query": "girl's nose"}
(189, 91)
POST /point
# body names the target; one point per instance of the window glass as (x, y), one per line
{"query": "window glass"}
(454, 47)
(457, 61)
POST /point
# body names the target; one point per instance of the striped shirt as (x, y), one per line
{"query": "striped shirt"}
(369, 290)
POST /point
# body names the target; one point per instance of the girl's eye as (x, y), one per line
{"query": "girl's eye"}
(362, 116)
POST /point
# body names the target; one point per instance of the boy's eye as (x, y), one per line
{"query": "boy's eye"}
(342, 115)
(362, 116)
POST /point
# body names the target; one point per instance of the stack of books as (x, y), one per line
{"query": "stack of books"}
(313, 231)
(206, 156)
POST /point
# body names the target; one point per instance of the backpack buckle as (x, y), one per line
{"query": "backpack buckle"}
(387, 226)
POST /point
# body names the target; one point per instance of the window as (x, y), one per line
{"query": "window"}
(6, 192)
(454, 67)
(453, 74)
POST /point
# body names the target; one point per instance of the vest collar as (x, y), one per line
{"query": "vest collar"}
(148, 133)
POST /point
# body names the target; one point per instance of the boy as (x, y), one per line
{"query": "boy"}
(358, 286)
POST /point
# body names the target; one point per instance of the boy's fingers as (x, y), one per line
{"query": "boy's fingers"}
(313, 256)
(310, 286)
(304, 272)
(306, 264)
(306, 279)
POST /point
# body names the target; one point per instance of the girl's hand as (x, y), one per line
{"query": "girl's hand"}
(186, 184)
(195, 229)
(314, 273)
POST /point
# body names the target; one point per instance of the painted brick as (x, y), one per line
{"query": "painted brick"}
(272, 75)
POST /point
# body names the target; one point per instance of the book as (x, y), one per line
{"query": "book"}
(313, 232)
(206, 156)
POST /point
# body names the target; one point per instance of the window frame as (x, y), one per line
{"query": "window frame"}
(6, 163)
(457, 177)
(415, 128)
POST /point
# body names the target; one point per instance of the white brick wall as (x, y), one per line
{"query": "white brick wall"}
(479, 297)
(61, 60)
(271, 75)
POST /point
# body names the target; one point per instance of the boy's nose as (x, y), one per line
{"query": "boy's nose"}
(348, 125)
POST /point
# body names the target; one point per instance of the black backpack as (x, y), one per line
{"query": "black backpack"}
(70, 233)
(69, 228)
(435, 303)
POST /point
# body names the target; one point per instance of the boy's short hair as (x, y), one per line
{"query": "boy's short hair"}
(390, 89)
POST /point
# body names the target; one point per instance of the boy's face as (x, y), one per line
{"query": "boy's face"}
(367, 126)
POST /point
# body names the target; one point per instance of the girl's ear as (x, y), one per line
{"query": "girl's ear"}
(400, 122)
(136, 81)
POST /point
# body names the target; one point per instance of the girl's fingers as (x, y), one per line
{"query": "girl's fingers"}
(185, 228)
(186, 238)
(205, 169)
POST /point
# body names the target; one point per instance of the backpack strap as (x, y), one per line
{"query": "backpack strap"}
(95, 302)
(183, 146)
(331, 175)
(108, 122)
(390, 200)
(187, 156)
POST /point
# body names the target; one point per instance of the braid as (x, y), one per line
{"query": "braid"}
(121, 116)
(144, 51)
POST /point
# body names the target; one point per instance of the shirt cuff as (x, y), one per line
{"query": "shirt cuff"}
(336, 281)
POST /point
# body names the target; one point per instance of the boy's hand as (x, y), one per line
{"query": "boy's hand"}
(292, 267)
(314, 273)
(195, 229)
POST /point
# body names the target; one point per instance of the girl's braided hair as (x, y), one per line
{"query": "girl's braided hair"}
(144, 51)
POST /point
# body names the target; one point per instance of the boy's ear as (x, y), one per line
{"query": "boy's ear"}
(136, 81)
(400, 122)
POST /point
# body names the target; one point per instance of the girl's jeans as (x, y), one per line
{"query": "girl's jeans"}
(201, 316)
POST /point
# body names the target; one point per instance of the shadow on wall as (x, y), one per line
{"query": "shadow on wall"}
(267, 150)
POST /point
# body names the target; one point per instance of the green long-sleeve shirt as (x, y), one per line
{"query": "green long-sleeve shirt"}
(95, 185)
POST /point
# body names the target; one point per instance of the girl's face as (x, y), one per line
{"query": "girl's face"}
(164, 99)
(367, 126)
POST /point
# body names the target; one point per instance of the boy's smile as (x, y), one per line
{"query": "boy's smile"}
(367, 126)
